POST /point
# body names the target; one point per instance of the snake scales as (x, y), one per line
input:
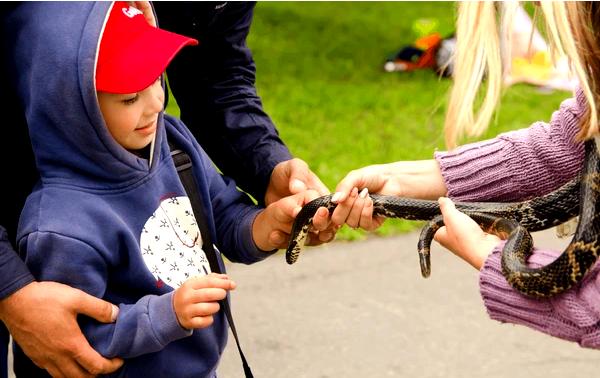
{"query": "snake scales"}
(512, 221)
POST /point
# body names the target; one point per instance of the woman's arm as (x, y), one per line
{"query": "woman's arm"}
(518, 165)
(511, 167)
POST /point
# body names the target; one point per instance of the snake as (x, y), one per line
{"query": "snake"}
(512, 221)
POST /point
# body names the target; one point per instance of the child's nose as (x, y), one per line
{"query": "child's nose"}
(157, 99)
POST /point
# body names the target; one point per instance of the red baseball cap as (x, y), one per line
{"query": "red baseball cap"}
(133, 53)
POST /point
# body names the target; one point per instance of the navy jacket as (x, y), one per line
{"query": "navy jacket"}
(213, 84)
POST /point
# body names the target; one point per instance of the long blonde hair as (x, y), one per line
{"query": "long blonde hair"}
(570, 28)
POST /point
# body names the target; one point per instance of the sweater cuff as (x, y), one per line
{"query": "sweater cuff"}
(466, 169)
(162, 313)
(506, 305)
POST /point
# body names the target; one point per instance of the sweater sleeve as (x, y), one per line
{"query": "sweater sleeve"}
(520, 164)
(145, 326)
(573, 315)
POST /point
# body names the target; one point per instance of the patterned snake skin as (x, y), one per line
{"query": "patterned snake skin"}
(512, 221)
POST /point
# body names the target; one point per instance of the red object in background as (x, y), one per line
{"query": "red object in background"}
(417, 56)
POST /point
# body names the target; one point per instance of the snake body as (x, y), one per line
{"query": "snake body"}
(512, 220)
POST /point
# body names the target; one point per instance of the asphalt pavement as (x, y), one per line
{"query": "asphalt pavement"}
(362, 309)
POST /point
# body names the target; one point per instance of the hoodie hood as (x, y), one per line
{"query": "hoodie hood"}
(55, 55)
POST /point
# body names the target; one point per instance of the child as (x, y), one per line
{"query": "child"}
(110, 215)
(512, 167)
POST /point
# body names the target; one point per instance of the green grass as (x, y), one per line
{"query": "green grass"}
(319, 73)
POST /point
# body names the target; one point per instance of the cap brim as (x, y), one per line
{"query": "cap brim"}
(146, 58)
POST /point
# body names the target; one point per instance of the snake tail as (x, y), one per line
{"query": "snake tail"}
(424, 244)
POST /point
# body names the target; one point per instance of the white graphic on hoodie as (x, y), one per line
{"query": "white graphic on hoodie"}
(171, 243)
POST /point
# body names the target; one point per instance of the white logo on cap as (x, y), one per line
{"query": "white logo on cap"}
(131, 12)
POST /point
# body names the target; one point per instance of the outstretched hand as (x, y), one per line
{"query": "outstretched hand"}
(42, 319)
(292, 177)
(356, 211)
(375, 178)
(420, 179)
(463, 236)
(356, 208)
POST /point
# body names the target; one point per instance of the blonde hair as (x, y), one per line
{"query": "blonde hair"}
(570, 29)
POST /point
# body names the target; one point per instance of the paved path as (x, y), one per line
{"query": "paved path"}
(361, 309)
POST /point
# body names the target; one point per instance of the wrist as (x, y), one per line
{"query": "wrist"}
(421, 179)
(12, 301)
(484, 250)
(174, 301)
(261, 231)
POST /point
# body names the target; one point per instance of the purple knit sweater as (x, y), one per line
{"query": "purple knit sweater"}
(516, 166)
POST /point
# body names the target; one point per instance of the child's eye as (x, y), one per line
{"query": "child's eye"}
(129, 101)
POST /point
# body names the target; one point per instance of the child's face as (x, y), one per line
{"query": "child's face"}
(132, 118)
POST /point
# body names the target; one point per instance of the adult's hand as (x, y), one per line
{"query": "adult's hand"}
(146, 9)
(42, 318)
(355, 207)
(293, 177)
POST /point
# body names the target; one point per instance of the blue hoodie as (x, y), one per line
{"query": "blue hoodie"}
(106, 221)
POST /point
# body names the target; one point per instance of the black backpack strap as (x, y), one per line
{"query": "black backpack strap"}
(183, 164)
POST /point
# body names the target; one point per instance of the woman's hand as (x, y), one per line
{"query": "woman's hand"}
(463, 236)
(414, 179)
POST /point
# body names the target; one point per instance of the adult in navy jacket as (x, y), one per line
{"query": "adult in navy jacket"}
(214, 85)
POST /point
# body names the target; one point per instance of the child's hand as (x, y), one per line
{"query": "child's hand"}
(272, 226)
(463, 236)
(196, 301)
